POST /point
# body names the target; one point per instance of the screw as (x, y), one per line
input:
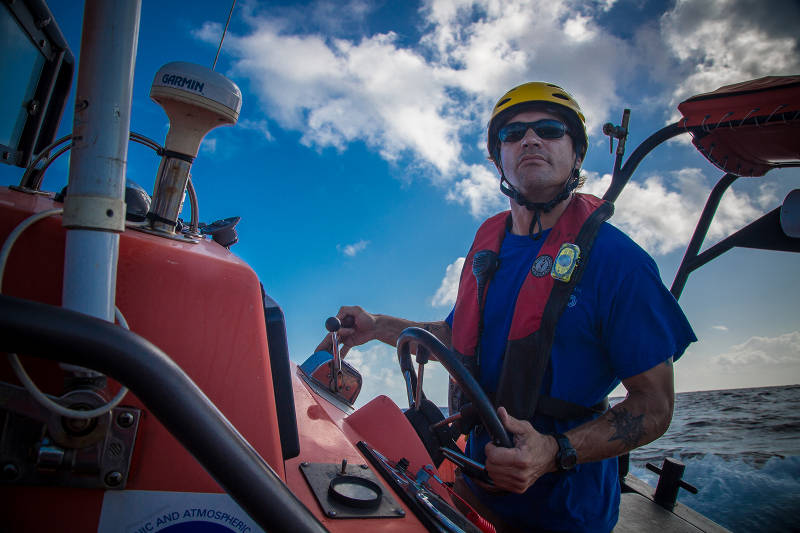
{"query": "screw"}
(304, 464)
(125, 420)
(364, 466)
(10, 471)
(332, 514)
(399, 512)
(113, 478)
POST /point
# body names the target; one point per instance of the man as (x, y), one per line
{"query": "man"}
(567, 308)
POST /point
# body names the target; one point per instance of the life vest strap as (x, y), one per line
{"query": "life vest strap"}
(526, 359)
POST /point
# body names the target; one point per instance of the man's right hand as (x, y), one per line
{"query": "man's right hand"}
(362, 330)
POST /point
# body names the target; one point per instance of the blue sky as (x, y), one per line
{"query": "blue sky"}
(359, 169)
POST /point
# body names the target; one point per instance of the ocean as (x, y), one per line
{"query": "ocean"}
(741, 448)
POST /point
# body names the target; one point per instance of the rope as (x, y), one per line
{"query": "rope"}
(16, 364)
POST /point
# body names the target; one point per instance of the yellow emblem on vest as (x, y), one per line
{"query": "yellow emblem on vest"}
(566, 261)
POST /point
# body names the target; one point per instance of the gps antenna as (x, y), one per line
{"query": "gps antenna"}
(196, 100)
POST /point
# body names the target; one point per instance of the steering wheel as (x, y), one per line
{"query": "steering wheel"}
(480, 402)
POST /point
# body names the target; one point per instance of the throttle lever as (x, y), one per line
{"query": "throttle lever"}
(333, 325)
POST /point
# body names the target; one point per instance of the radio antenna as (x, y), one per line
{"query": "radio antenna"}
(224, 31)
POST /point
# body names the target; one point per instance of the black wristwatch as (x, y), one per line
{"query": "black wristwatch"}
(567, 457)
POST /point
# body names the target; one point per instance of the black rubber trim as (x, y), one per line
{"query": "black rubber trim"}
(281, 376)
(59, 334)
(179, 155)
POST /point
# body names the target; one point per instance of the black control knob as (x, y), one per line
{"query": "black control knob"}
(333, 324)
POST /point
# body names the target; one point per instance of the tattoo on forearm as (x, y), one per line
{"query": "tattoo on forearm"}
(628, 428)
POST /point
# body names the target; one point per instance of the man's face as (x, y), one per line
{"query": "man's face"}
(537, 167)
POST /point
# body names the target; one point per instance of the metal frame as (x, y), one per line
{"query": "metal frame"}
(764, 233)
(47, 106)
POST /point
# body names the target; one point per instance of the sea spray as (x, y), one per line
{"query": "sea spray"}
(741, 495)
(741, 448)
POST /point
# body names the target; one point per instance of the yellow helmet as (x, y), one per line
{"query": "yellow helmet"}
(538, 92)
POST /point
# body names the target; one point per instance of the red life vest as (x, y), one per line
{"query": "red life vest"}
(541, 300)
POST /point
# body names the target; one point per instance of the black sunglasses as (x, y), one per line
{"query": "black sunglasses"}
(547, 128)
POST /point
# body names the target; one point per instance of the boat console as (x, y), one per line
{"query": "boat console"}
(194, 415)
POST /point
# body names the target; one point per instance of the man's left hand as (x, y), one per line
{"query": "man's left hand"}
(533, 455)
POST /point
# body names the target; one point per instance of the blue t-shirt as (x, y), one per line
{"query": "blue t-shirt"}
(620, 321)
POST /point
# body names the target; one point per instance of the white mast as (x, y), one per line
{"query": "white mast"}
(94, 211)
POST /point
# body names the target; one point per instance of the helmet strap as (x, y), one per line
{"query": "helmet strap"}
(539, 207)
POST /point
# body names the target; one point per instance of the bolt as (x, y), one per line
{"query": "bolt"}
(125, 420)
(77, 425)
(399, 512)
(364, 466)
(10, 471)
(304, 464)
(113, 478)
(332, 514)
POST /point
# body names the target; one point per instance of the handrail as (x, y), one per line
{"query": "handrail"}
(60, 334)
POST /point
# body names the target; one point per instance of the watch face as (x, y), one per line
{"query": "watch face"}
(568, 459)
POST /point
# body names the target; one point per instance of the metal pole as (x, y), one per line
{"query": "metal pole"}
(94, 210)
(700, 231)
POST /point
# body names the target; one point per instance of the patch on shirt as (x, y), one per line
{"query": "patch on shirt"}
(542, 266)
(566, 261)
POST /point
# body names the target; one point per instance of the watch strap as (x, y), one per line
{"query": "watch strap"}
(566, 457)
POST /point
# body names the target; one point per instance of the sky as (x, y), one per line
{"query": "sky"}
(359, 167)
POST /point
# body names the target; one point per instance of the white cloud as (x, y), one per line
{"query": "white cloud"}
(339, 91)
(446, 293)
(417, 102)
(720, 327)
(351, 250)
(728, 41)
(256, 125)
(662, 219)
(759, 351)
(377, 364)
(209, 145)
(479, 190)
